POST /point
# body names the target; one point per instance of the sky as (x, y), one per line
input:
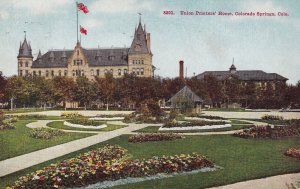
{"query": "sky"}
(205, 43)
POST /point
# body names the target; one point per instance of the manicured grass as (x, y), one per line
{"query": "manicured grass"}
(274, 122)
(241, 159)
(227, 110)
(154, 129)
(235, 121)
(60, 125)
(17, 141)
(40, 117)
(23, 110)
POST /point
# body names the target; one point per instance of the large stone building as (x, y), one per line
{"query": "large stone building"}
(258, 77)
(90, 62)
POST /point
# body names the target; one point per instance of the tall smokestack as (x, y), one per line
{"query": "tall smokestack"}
(181, 70)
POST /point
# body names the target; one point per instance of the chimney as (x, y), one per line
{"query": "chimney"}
(148, 41)
(181, 74)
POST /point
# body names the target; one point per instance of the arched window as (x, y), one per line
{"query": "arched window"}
(125, 71)
(66, 73)
(98, 72)
(59, 72)
(52, 73)
(138, 71)
(40, 73)
(119, 72)
(47, 73)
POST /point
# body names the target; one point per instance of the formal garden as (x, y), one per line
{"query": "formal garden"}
(151, 156)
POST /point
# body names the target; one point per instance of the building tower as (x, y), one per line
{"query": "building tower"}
(25, 58)
(139, 54)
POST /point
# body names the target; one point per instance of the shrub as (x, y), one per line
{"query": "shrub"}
(151, 108)
(154, 137)
(269, 132)
(192, 123)
(31, 116)
(272, 117)
(45, 133)
(5, 122)
(293, 152)
(107, 163)
(85, 121)
(71, 114)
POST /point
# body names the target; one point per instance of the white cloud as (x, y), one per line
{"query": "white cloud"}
(92, 23)
(36, 6)
(109, 6)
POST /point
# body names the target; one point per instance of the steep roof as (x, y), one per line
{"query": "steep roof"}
(139, 43)
(95, 57)
(244, 75)
(25, 50)
(186, 92)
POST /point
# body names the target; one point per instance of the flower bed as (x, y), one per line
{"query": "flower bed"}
(194, 127)
(207, 116)
(171, 124)
(85, 122)
(45, 133)
(271, 117)
(107, 163)
(269, 132)
(6, 122)
(107, 118)
(293, 152)
(71, 114)
(154, 137)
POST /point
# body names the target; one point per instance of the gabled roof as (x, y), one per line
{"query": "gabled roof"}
(95, 57)
(25, 50)
(139, 43)
(186, 92)
(244, 75)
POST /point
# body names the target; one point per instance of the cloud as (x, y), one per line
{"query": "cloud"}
(4, 14)
(109, 6)
(36, 6)
(92, 23)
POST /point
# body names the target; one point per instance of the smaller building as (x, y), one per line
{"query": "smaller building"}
(186, 99)
(259, 77)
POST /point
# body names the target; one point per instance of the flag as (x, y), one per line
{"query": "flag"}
(83, 31)
(82, 7)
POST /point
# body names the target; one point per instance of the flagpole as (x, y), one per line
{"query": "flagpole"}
(77, 19)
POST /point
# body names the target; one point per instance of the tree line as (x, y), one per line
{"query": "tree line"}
(130, 91)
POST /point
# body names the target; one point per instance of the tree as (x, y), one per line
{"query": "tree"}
(106, 87)
(64, 88)
(3, 83)
(214, 88)
(85, 91)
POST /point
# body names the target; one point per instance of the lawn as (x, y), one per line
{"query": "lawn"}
(60, 125)
(227, 110)
(241, 159)
(154, 129)
(22, 110)
(17, 141)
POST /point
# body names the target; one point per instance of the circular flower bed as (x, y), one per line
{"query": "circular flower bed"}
(85, 123)
(45, 133)
(154, 137)
(293, 152)
(269, 132)
(108, 163)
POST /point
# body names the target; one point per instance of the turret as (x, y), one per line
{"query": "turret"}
(25, 58)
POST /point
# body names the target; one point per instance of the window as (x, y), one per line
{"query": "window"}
(47, 73)
(21, 63)
(138, 71)
(98, 72)
(59, 72)
(105, 71)
(74, 73)
(52, 73)
(125, 71)
(82, 73)
(133, 70)
(65, 72)
(92, 72)
(142, 71)
(21, 72)
(139, 61)
(26, 72)
(132, 61)
(34, 73)
(40, 73)
(26, 64)
(142, 61)
(119, 72)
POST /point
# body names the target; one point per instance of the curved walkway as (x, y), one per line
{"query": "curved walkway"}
(287, 181)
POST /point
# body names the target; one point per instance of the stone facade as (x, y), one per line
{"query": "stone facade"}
(90, 62)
